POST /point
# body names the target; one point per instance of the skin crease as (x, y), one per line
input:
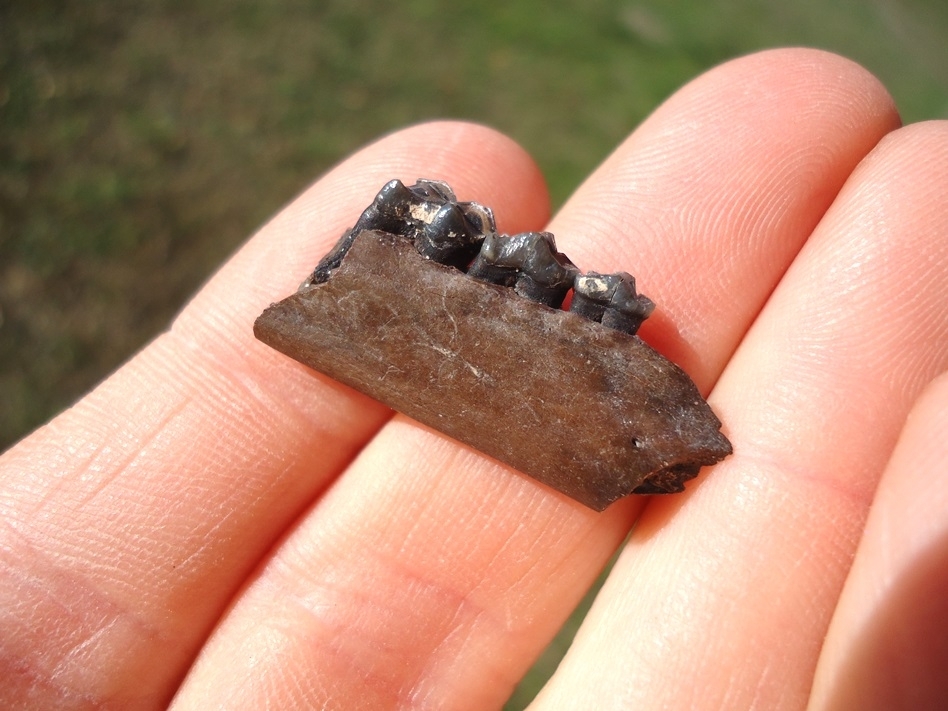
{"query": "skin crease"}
(217, 525)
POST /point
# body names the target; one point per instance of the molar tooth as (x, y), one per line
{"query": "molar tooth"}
(394, 198)
(489, 263)
(388, 211)
(611, 299)
(529, 262)
(630, 317)
(591, 293)
(448, 237)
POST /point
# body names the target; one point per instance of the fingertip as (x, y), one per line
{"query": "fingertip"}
(909, 166)
(711, 199)
(806, 80)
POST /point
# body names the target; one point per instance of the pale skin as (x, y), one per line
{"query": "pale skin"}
(216, 526)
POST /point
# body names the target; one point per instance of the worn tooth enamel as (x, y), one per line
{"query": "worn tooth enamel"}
(611, 299)
(434, 189)
(448, 238)
(480, 217)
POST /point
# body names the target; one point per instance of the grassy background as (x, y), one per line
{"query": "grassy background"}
(141, 142)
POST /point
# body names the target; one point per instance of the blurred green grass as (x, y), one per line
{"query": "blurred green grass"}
(140, 143)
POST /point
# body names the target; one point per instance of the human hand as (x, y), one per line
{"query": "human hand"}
(219, 525)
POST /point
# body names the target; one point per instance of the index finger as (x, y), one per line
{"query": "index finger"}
(132, 518)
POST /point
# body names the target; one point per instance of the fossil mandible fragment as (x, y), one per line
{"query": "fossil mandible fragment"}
(423, 306)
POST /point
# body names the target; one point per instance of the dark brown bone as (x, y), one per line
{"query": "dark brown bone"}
(588, 410)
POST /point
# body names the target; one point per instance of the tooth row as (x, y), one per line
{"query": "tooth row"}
(464, 235)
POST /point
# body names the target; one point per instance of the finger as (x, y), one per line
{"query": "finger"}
(724, 596)
(131, 519)
(719, 190)
(886, 647)
(432, 575)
